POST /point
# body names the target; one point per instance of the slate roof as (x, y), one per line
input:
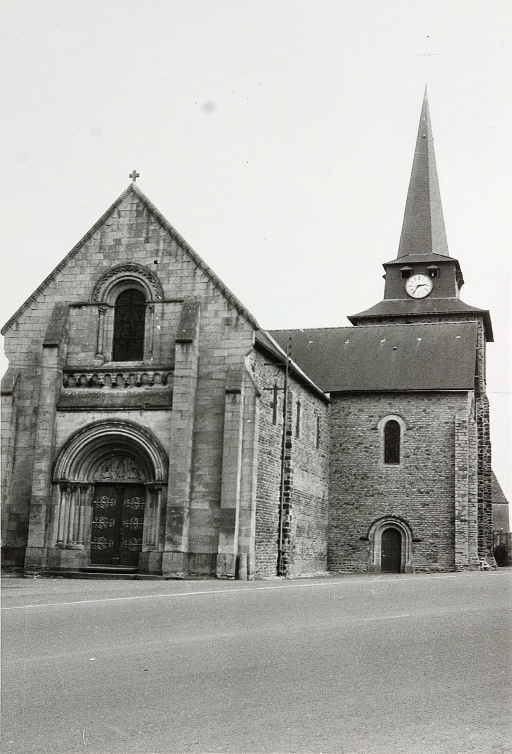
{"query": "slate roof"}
(382, 358)
(497, 494)
(266, 342)
(418, 308)
(423, 231)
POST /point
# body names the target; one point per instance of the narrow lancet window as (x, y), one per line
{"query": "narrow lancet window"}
(275, 390)
(392, 433)
(129, 326)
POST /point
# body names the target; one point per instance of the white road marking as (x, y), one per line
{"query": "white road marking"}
(231, 591)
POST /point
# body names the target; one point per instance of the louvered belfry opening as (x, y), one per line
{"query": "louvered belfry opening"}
(129, 325)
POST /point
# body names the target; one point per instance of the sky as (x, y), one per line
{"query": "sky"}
(276, 136)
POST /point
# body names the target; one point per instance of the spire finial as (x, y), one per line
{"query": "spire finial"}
(134, 175)
(423, 231)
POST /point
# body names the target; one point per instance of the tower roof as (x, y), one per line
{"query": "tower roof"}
(423, 231)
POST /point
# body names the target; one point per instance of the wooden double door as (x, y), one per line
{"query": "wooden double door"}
(117, 524)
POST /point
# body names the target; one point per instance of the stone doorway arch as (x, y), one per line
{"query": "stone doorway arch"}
(391, 549)
(109, 486)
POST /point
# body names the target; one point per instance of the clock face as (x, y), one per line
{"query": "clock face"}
(418, 286)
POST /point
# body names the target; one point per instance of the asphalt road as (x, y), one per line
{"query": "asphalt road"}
(356, 664)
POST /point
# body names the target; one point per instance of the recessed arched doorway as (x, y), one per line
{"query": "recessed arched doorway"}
(390, 546)
(391, 551)
(110, 485)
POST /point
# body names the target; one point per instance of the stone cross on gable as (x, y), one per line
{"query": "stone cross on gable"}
(134, 176)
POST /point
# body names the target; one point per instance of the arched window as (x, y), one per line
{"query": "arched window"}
(392, 433)
(129, 326)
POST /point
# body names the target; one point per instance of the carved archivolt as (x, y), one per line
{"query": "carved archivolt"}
(124, 276)
(112, 450)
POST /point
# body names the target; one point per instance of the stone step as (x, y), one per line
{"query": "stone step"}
(109, 569)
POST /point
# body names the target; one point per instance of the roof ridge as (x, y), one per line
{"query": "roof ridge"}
(304, 329)
(377, 324)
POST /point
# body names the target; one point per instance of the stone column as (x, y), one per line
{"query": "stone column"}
(177, 523)
(82, 491)
(150, 334)
(71, 517)
(100, 338)
(231, 474)
(62, 526)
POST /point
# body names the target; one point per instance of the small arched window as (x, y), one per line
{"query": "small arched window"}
(129, 326)
(392, 436)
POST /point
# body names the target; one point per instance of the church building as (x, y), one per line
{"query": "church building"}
(151, 427)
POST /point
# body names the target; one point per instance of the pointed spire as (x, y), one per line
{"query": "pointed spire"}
(423, 231)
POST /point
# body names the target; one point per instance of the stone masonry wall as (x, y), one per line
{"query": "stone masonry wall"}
(310, 466)
(420, 490)
(306, 475)
(269, 466)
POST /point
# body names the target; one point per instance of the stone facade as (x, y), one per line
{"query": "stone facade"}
(180, 429)
(432, 491)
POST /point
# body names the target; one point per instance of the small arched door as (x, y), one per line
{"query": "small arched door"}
(391, 551)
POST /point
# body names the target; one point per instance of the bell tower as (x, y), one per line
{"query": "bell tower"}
(423, 283)
(422, 286)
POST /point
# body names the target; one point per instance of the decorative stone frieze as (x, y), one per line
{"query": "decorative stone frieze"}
(114, 379)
